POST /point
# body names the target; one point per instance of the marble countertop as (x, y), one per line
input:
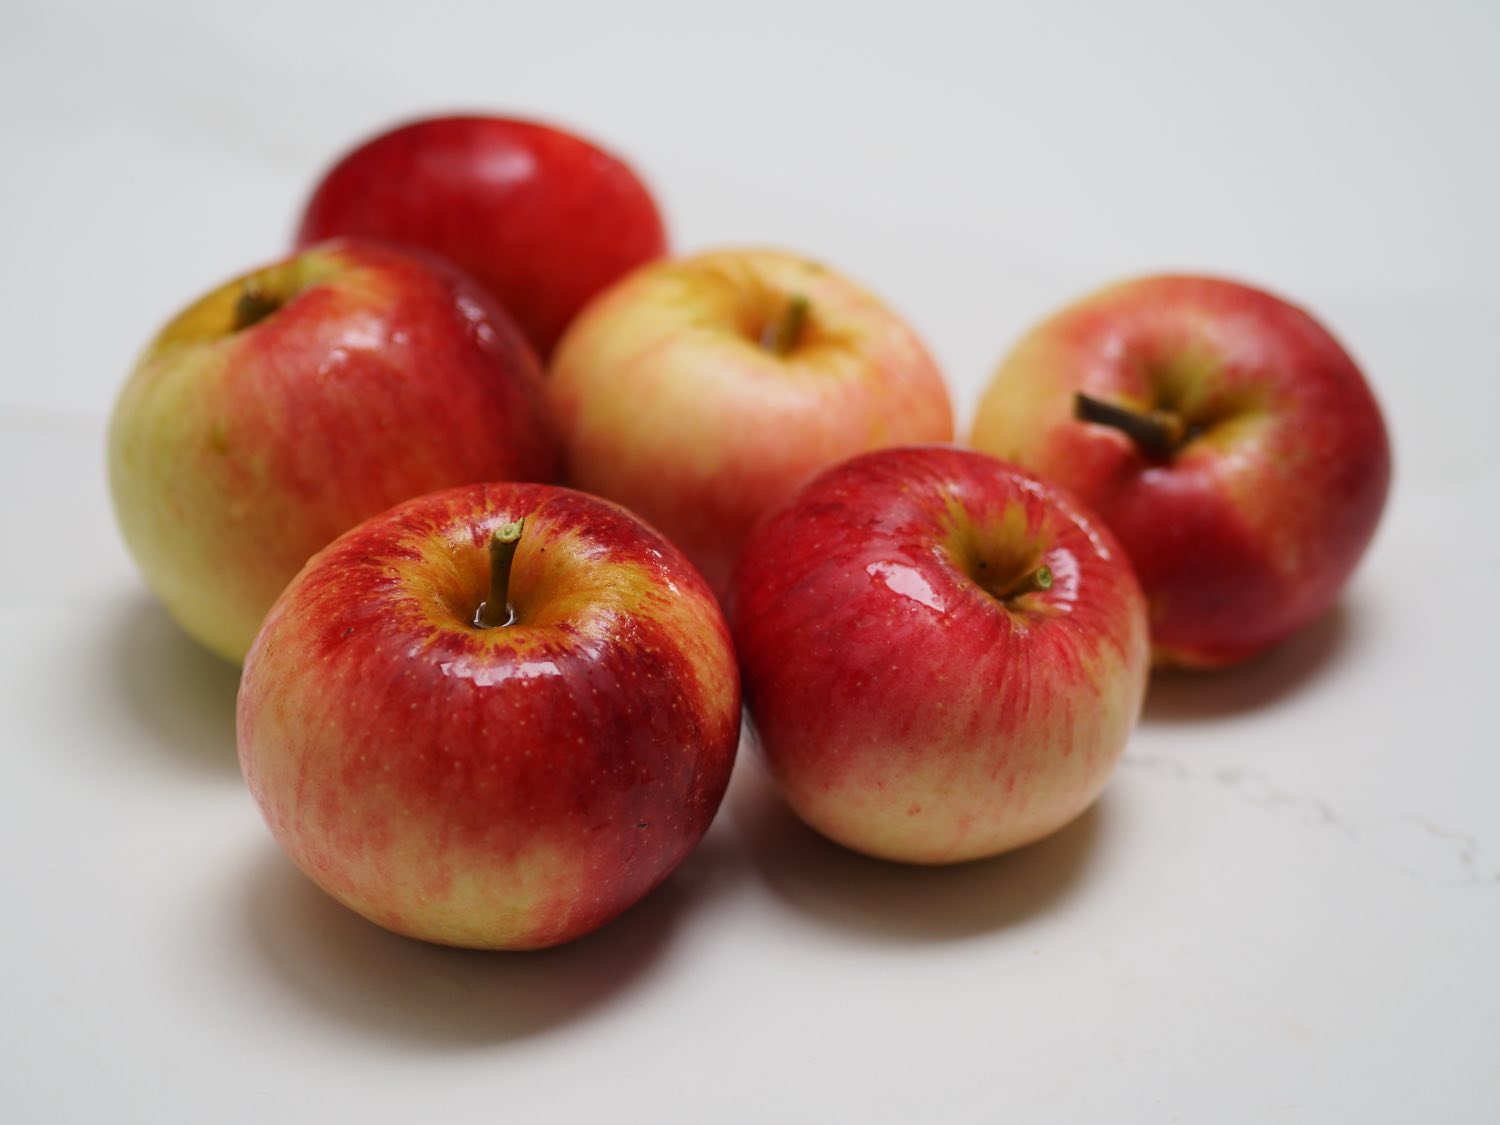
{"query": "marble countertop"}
(1287, 905)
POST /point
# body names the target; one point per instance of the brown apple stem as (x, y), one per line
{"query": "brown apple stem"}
(784, 331)
(253, 306)
(1038, 579)
(1157, 433)
(495, 610)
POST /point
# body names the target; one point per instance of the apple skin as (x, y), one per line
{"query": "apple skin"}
(902, 708)
(235, 455)
(544, 218)
(668, 402)
(1245, 534)
(504, 788)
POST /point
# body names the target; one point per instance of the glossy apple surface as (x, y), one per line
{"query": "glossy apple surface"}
(701, 392)
(919, 691)
(544, 218)
(508, 787)
(1247, 517)
(288, 405)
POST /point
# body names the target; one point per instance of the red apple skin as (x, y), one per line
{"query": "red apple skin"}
(668, 400)
(541, 217)
(903, 709)
(504, 788)
(1249, 531)
(235, 455)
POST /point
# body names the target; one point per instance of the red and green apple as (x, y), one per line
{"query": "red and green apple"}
(289, 404)
(942, 655)
(1224, 435)
(700, 392)
(543, 218)
(492, 717)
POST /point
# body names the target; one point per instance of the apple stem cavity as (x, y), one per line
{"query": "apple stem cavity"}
(1028, 583)
(495, 610)
(784, 332)
(254, 305)
(1158, 433)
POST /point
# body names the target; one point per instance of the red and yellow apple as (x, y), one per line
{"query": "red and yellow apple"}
(943, 656)
(543, 218)
(291, 403)
(1225, 437)
(492, 717)
(700, 392)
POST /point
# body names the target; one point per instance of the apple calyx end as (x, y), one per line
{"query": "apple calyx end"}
(784, 331)
(496, 611)
(1158, 433)
(253, 305)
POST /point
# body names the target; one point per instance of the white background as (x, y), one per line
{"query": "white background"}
(1287, 906)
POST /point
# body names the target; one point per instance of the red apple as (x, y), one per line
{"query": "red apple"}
(543, 218)
(491, 735)
(942, 655)
(289, 404)
(701, 392)
(1224, 436)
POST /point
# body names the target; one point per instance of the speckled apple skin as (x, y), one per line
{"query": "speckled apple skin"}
(504, 788)
(234, 456)
(1248, 533)
(903, 709)
(668, 402)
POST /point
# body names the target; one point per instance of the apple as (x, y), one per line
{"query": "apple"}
(291, 403)
(544, 218)
(943, 656)
(492, 717)
(1225, 437)
(700, 392)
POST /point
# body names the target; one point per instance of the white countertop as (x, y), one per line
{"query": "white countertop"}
(1285, 908)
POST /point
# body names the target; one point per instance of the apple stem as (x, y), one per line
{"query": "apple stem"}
(253, 306)
(1038, 579)
(782, 334)
(1157, 433)
(495, 610)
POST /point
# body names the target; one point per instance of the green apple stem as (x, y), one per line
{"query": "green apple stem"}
(495, 610)
(253, 306)
(784, 331)
(1030, 582)
(1157, 433)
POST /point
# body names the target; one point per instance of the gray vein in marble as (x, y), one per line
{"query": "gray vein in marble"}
(1408, 843)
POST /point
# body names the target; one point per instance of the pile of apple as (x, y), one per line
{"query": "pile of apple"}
(466, 481)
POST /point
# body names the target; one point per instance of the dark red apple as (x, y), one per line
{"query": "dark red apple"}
(943, 656)
(1223, 434)
(494, 717)
(543, 218)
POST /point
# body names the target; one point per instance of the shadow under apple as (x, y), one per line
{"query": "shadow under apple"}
(182, 695)
(364, 978)
(904, 903)
(1181, 695)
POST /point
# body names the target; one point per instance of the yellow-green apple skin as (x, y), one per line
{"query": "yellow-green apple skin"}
(673, 398)
(943, 656)
(241, 444)
(1247, 524)
(509, 787)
